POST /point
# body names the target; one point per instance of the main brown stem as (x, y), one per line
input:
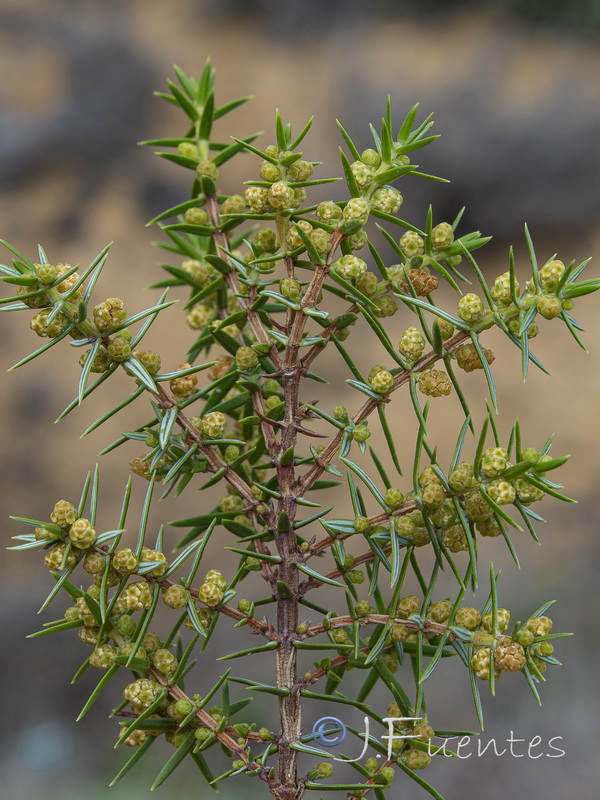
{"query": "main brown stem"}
(285, 539)
(286, 785)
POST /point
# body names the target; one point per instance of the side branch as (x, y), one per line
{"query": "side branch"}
(370, 405)
(427, 626)
(326, 333)
(309, 300)
(376, 519)
(254, 320)
(257, 626)
(313, 583)
(215, 462)
(241, 751)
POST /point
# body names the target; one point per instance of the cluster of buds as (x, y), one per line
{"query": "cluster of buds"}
(82, 534)
(442, 236)
(125, 561)
(110, 315)
(49, 286)
(276, 191)
(200, 315)
(57, 298)
(319, 238)
(141, 466)
(422, 281)
(196, 216)
(527, 646)
(355, 214)
(142, 692)
(154, 556)
(438, 495)
(381, 380)
(48, 327)
(199, 275)
(246, 359)
(212, 424)
(470, 307)
(505, 653)
(412, 245)
(107, 317)
(386, 199)
(211, 590)
(351, 268)
(135, 597)
(184, 386)
(119, 350)
(165, 661)
(468, 359)
(175, 596)
(435, 383)
(405, 733)
(550, 294)
(412, 344)
(69, 531)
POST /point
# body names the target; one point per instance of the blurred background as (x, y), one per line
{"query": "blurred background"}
(515, 88)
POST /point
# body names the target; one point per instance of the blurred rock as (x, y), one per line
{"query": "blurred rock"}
(519, 113)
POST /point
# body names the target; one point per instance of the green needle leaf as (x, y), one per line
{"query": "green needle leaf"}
(314, 574)
(349, 175)
(366, 480)
(175, 760)
(200, 762)
(137, 755)
(533, 259)
(351, 146)
(166, 426)
(250, 651)
(486, 368)
(42, 349)
(302, 134)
